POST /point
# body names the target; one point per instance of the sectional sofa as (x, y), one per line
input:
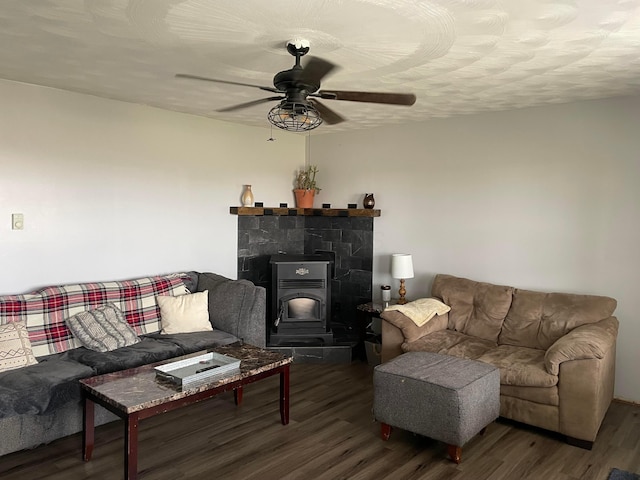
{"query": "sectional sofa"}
(41, 402)
(556, 351)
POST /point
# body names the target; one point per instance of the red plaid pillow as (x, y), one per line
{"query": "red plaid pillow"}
(45, 310)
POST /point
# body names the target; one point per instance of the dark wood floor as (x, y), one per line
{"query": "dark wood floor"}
(331, 436)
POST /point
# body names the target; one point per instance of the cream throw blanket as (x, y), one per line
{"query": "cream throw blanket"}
(421, 310)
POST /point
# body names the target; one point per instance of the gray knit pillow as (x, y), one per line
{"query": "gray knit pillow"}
(103, 329)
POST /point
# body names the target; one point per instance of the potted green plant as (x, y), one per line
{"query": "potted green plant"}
(306, 187)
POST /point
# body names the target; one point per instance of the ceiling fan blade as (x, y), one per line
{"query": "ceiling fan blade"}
(315, 70)
(327, 115)
(369, 97)
(249, 104)
(215, 80)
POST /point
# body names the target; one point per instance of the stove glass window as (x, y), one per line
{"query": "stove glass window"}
(303, 309)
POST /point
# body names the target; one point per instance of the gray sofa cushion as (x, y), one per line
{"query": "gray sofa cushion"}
(148, 350)
(195, 341)
(41, 388)
(236, 307)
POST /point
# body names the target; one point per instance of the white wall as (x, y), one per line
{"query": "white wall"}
(543, 198)
(111, 190)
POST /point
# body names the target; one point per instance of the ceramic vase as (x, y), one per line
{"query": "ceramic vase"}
(369, 201)
(247, 197)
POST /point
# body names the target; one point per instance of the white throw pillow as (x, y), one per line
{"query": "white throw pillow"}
(185, 313)
(15, 347)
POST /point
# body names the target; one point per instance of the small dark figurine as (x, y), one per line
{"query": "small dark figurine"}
(369, 201)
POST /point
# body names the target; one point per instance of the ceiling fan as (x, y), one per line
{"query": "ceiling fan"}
(299, 108)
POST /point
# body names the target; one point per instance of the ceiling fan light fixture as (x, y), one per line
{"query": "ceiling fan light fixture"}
(299, 109)
(294, 117)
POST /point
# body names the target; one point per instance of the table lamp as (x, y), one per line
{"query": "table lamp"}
(401, 268)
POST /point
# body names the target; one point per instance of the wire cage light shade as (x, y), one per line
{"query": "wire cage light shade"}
(294, 117)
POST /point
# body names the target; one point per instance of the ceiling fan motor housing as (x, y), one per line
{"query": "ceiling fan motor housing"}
(290, 81)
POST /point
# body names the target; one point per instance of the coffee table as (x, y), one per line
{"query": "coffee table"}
(136, 394)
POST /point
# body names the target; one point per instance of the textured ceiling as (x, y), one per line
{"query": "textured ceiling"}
(457, 56)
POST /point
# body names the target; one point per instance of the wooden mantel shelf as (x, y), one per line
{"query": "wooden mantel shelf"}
(310, 212)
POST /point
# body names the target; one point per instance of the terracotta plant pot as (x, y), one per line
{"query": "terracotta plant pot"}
(304, 198)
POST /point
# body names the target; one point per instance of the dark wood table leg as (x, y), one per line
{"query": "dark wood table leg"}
(363, 319)
(131, 447)
(284, 395)
(385, 431)
(237, 395)
(455, 452)
(88, 430)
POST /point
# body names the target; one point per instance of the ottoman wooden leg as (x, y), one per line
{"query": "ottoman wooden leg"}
(385, 431)
(455, 453)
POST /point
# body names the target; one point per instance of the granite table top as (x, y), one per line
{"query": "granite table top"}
(138, 388)
(374, 307)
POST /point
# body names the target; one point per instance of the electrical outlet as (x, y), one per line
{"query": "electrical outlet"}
(17, 221)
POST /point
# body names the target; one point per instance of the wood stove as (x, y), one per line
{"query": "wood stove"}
(301, 300)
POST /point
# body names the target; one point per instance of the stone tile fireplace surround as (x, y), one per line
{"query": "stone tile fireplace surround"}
(348, 233)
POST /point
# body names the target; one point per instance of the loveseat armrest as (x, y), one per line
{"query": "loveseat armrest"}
(397, 329)
(237, 307)
(593, 340)
(585, 391)
(392, 340)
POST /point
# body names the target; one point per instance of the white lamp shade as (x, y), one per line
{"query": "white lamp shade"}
(401, 265)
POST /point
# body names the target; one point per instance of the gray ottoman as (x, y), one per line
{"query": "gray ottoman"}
(446, 398)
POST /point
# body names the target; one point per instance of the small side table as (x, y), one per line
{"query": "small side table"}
(366, 313)
(370, 307)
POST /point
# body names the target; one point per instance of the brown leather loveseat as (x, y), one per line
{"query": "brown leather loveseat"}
(555, 351)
